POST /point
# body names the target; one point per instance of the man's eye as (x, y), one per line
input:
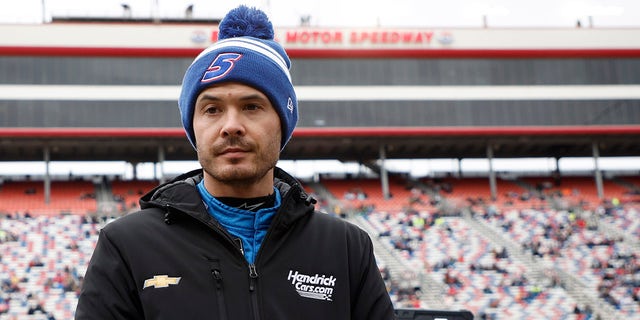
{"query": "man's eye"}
(252, 107)
(211, 110)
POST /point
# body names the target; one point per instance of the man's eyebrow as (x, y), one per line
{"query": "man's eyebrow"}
(210, 97)
(254, 96)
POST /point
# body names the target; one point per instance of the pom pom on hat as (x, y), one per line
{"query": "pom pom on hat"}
(244, 21)
(245, 53)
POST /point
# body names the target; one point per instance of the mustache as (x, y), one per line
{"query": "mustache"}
(232, 142)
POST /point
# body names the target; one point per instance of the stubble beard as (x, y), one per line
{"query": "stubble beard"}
(240, 176)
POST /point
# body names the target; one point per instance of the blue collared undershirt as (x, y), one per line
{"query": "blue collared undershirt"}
(249, 226)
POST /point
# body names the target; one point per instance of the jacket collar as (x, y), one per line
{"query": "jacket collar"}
(180, 193)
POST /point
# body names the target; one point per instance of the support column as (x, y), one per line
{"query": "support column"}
(384, 178)
(134, 170)
(47, 175)
(557, 177)
(598, 173)
(492, 174)
(160, 164)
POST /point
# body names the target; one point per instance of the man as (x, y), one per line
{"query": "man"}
(238, 239)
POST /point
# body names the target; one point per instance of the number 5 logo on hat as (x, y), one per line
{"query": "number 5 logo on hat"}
(221, 66)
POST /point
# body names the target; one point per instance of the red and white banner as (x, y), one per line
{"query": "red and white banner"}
(110, 35)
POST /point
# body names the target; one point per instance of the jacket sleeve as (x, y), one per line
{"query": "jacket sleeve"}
(371, 300)
(108, 290)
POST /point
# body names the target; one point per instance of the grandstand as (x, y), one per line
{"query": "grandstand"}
(521, 245)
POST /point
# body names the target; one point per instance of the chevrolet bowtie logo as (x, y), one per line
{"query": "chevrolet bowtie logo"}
(161, 281)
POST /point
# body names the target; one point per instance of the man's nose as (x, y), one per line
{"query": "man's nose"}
(233, 124)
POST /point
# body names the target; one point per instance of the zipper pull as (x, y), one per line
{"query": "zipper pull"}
(238, 241)
(218, 276)
(253, 275)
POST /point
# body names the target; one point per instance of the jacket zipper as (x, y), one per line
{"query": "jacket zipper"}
(215, 267)
(253, 277)
(253, 273)
(217, 276)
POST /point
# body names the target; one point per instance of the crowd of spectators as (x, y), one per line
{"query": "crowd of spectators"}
(42, 264)
(560, 227)
(404, 288)
(476, 274)
(572, 240)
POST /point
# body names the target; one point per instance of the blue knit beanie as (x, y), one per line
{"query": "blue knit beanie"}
(246, 53)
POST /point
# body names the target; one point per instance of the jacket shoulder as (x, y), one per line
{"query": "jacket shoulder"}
(134, 221)
(333, 220)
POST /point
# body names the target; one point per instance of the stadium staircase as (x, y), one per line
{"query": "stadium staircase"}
(526, 186)
(535, 271)
(104, 198)
(627, 184)
(432, 292)
(616, 233)
(323, 193)
(375, 167)
(632, 186)
(430, 192)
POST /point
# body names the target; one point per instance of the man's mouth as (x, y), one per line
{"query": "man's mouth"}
(232, 151)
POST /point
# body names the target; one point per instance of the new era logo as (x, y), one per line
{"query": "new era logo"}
(290, 105)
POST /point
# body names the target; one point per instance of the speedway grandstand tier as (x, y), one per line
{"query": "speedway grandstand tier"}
(504, 247)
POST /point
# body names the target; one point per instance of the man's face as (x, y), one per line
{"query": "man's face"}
(237, 133)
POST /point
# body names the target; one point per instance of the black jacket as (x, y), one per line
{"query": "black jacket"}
(172, 260)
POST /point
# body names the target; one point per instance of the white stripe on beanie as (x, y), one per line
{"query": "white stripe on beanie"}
(253, 45)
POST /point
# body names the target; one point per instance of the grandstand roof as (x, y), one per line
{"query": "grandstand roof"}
(142, 145)
(96, 92)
